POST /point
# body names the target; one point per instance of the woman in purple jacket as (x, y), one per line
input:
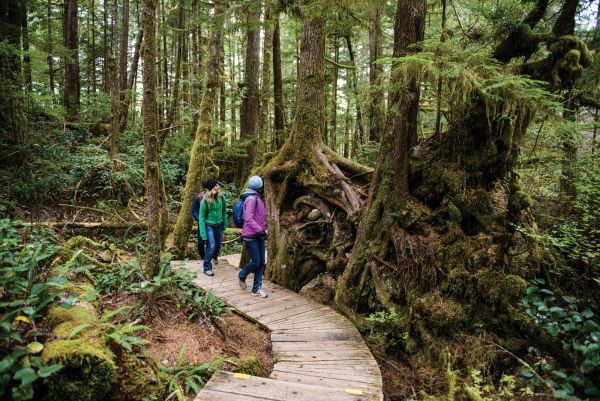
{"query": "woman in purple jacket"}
(254, 233)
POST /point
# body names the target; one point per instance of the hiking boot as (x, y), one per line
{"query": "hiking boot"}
(216, 260)
(260, 293)
(209, 273)
(242, 284)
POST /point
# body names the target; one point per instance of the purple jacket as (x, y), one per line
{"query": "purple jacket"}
(255, 214)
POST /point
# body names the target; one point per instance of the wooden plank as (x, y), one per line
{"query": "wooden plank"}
(212, 395)
(314, 337)
(343, 375)
(336, 355)
(286, 308)
(318, 345)
(280, 303)
(325, 381)
(289, 314)
(270, 389)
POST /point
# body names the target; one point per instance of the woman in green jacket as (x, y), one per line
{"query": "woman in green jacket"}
(212, 222)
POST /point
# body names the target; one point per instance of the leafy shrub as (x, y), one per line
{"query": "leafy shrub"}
(575, 330)
(24, 298)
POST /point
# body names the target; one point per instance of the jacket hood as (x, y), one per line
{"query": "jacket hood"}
(248, 192)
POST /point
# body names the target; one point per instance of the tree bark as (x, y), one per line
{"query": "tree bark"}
(301, 178)
(131, 80)
(336, 57)
(250, 101)
(265, 81)
(199, 157)
(277, 84)
(376, 107)
(12, 119)
(93, 51)
(195, 63)
(359, 123)
(25, 41)
(123, 54)
(178, 60)
(438, 112)
(151, 156)
(105, 55)
(71, 88)
(388, 193)
(50, 58)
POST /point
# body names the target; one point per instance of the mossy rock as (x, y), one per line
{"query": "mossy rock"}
(460, 284)
(498, 288)
(76, 315)
(250, 366)
(88, 371)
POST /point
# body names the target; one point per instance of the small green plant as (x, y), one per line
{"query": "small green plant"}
(383, 329)
(184, 379)
(24, 299)
(121, 334)
(576, 330)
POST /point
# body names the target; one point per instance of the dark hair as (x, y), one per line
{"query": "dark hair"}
(210, 183)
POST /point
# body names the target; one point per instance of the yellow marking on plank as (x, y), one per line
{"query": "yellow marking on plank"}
(353, 391)
(241, 376)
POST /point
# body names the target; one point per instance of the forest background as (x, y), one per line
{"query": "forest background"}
(431, 166)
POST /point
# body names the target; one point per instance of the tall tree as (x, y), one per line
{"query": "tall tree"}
(131, 80)
(150, 121)
(306, 174)
(178, 61)
(359, 115)
(376, 107)
(124, 48)
(25, 41)
(265, 79)
(71, 87)
(334, 101)
(11, 102)
(250, 102)
(199, 156)
(277, 82)
(50, 57)
(389, 192)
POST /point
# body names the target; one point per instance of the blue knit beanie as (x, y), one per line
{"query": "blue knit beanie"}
(255, 182)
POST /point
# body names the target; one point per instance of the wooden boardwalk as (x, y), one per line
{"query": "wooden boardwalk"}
(319, 355)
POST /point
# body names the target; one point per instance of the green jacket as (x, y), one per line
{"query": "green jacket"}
(216, 214)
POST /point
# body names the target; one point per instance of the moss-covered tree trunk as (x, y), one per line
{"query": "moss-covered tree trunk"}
(199, 157)
(389, 211)
(311, 202)
(151, 140)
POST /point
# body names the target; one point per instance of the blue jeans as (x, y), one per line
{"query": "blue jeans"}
(256, 249)
(214, 236)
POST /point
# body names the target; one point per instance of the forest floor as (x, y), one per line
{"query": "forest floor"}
(173, 339)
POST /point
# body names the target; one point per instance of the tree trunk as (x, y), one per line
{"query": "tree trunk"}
(165, 65)
(265, 81)
(176, 82)
(199, 157)
(131, 80)
(50, 58)
(438, 111)
(250, 101)
(222, 94)
(93, 51)
(232, 60)
(388, 193)
(71, 88)
(195, 63)
(361, 129)
(25, 41)
(105, 56)
(123, 55)
(301, 178)
(277, 84)
(151, 156)
(376, 107)
(12, 119)
(336, 57)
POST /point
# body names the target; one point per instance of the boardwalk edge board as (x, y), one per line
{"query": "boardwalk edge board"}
(319, 355)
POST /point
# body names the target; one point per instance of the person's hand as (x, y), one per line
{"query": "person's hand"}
(266, 234)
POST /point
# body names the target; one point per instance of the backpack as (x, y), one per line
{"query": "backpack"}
(238, 213)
